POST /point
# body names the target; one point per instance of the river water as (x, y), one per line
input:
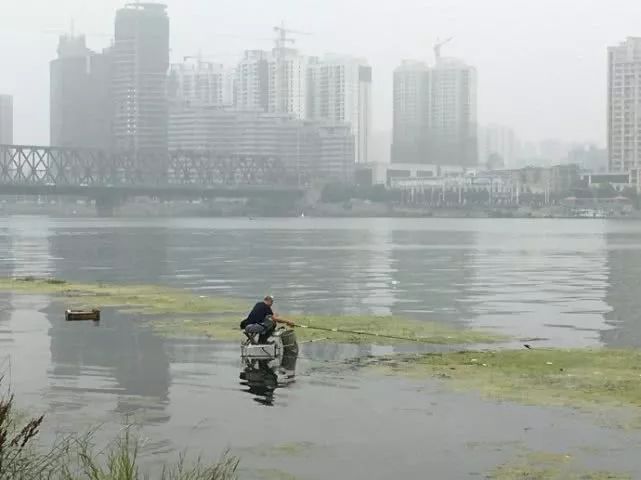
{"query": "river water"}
(566, 282)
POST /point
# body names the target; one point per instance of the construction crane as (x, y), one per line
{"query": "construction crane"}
(282, 39)
(438, 45)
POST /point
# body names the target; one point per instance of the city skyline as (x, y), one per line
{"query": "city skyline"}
(313, 114)
(555, 106)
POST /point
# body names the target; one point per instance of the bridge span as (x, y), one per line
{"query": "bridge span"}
(111, 177)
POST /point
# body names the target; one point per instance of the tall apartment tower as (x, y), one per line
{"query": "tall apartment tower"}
(288, 82)
(411, 113)
(435, 114)
(273, 82)
(6, 119)
(80, 100)
(624, 109)
(200, 83)
(339, 90)
(139, 81)
(251, 91)
(453, 121)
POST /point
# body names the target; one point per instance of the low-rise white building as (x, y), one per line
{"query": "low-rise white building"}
(384, 173)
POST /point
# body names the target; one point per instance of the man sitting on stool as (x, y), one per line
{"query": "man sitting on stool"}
(262, 320)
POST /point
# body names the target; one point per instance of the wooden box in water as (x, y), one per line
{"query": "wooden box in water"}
(79, 315)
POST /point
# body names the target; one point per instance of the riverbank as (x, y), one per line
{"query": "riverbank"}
(240, 208)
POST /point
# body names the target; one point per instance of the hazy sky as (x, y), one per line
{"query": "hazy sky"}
(541, 64)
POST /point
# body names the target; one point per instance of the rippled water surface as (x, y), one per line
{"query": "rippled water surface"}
(573, 283)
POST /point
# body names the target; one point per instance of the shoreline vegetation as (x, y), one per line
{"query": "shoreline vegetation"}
(174, 313)
(335, 213)
(355, 208)
(75, 457)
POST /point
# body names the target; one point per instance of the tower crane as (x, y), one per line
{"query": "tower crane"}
(438, 45)
(282, 40)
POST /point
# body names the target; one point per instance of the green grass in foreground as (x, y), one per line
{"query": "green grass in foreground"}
(549, 466)
(75, 458)
(577, 378)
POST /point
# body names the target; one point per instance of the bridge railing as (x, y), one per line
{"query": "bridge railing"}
(59, 166)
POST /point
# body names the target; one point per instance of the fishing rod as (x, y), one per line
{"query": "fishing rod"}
(355, 332)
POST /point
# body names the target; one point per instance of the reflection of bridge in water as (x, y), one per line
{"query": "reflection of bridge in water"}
(110, 177)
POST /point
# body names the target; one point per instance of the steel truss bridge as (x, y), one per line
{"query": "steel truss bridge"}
(109, 177)
(40, 170)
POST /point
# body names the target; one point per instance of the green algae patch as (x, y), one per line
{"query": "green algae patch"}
(583, 378)
(376, 330)
(142, 299)
(186, 314)
(549, 466)
(223, 328)
(291, 449)
(388, 330)
(275, 474)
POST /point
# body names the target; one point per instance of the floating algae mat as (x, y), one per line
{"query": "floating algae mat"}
(549, 466)
(275, 474)
(588, 378)
(143, 299)
(391, 330)
(404, 329)
(186, 314)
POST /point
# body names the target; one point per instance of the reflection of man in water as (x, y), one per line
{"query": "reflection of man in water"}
(261, 381)
(262, 378)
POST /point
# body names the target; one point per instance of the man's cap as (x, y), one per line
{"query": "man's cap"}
(269, 297)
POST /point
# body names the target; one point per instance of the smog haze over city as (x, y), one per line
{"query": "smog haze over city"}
(541, 65)
(320, 239)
